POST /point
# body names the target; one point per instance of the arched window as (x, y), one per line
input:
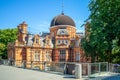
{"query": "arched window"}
(62, 32)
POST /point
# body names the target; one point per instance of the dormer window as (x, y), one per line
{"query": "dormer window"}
(47, 42)
(36, 40)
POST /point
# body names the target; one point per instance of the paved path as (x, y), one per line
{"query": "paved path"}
(105, 76)
(13, 73)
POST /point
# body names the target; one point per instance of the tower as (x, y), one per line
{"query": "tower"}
(22, 32)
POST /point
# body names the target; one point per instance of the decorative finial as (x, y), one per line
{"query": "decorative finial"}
(23, 22)
(62, 8)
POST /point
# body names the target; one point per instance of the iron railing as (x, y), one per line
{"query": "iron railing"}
(88, 69)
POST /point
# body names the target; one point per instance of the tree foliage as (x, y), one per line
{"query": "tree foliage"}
(103, 41)
(6, 36)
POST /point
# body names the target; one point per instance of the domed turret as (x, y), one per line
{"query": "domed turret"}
(62, 20)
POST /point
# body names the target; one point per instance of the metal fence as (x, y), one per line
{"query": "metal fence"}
(65, 67)
(115, 68)
(62, 67)
(93, 68)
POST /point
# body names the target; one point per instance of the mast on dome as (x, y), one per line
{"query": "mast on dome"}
(62, 8)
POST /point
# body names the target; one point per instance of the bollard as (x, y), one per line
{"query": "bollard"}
(78, 71)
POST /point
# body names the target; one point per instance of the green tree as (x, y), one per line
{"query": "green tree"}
(104, 29)
(116, 51)
(2, 48)
(6, 36)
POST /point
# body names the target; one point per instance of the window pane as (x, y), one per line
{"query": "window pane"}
(62, 41)
(62, 55)
(36, 56)
(77, 56)
(66, 41)
(36, 40)
(58, 41)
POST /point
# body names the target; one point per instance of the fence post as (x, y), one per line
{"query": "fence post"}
(14, 63)
(78, 71)
(107, 66)
(89, 69)
(99, 67)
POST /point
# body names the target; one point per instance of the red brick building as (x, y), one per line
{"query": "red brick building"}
(61, 44)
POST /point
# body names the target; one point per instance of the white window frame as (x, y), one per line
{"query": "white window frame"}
(59, 41)
(47, 55)
(36, 56)
(77, 56)
(62, 55)
(66, 42)
(62, 41)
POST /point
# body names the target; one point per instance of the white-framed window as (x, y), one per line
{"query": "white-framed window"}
(62, 32)
(62, 55)
(52, 34)
(47, 42)
(36, 56)
(77, 56)
(36, 40)
(58, 41)
(62, 41)
(66, 41)
(77, 43)
(47, 56)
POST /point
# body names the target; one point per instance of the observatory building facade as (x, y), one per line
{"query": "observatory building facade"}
(61, 44)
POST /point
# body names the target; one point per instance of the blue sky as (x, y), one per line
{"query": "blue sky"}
(39, 13)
